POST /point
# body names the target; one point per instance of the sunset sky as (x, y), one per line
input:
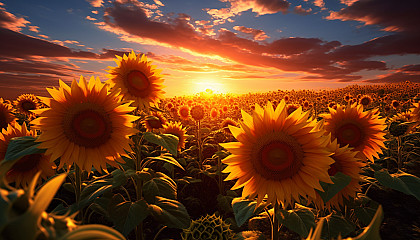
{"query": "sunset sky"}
(235, 46)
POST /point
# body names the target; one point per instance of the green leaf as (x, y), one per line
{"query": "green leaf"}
(170, 213)
(167, 158)
(330, 190)
(161, 185)
(119, 177)
(334, 225)
(243, 210)
(225, 203)
(127, 215)
(366, 210)
(401, 181)
(22, 146)
(167, 141)
(92, 232)
(300, 220)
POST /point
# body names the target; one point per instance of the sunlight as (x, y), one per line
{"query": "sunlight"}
(209, 86)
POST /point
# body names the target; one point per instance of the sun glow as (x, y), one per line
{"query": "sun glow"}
(209, 86)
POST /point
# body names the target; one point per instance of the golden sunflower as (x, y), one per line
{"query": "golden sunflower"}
(184, 112)
(197, 112)
(85, 125)
(137, 79)
(347, 163)
(25, 103)
(6, 116)
(154, 121)
(415, 112)
(214, 113)
(23, 171)
(365, 100)
(175, 128)
(361, 130)
(226, 123)
(279, 155)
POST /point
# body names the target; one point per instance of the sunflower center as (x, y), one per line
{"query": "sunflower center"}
(28, 106)
(87, 125)
(27, 162)
(349, 134)
(137, 81)
(278, 156)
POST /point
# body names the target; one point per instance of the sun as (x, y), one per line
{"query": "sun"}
(209, 86)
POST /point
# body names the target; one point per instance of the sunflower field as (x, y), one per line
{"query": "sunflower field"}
(118, 160)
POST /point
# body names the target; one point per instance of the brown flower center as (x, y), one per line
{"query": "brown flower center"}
(28, 105)
(87, 125)
(349, 133)
(138, 83)
(278, 156)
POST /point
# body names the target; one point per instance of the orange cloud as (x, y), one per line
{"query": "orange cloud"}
(257, 34)
(261, 7)
(10, 21)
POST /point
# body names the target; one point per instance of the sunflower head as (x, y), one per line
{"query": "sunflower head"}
(395, 104)
(278, 155)
(184, 112)
(361, 130)
(175, 128)
(365, 100)
(137, 79)
(25, 103)
(214, 113)
(6, 115)
(85, 125)
(346, 162)
(23, 171)
(226, 123)
(154, 121)
(197, 112)
(291, 108)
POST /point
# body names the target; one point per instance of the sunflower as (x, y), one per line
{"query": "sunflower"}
(197, 112)
(279, 155)
(184, 112)
(25, 103)
(347, 163)
(154, 121)
(395, 104)
(290, 108)
(361, 130)
(137, 79)
(415, 112)
(85, 125)
(6, 116)
(25, 168)
(226, 123)
(175, 128)
(365, 100)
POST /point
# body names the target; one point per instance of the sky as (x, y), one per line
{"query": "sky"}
(235, 46)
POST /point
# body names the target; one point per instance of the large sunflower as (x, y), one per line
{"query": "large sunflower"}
(23, 171)
(137, 79)
(283, 156)
(25, 103)
(361, 130)
(6, 116)
(85, 125)
(347, 163)
(175, 128)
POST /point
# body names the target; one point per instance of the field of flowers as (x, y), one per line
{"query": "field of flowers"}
(118, 160)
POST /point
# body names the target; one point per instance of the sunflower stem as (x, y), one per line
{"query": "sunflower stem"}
(78, 186)
(399, 152)
(275, 227)
(139, 186)
(200, 150)
(219, 172)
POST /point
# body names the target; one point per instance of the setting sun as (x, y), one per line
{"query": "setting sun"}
(209, 86)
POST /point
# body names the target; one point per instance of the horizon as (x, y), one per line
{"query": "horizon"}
(227, 46)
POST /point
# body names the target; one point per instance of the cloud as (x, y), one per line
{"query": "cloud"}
(405, 73)
(158, 2)
(90, 18)
(256, 34)
(301, 11)
(391, 15)
(10, 21)
(95, 3)
(261, 7)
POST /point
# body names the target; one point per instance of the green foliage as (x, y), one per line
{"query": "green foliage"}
(160, 185)
(170, 213)
(401, 181)
(336, 225)
(300, 219)
(244, 209)
(330, 190)
(21, 146)
(167, 141)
